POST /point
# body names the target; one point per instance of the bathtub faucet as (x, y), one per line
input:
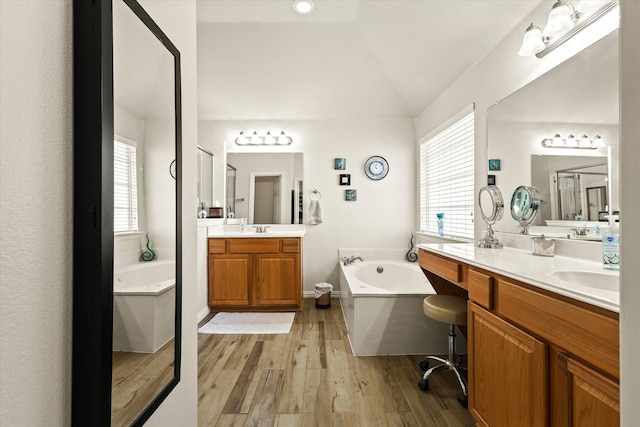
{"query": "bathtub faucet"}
(351, 260)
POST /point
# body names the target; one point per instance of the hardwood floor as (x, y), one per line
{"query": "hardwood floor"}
(136, 379)
(310, 378)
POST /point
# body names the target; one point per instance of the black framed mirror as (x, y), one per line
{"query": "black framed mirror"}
(103, 111)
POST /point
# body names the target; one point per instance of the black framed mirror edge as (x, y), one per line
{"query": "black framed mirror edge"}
(93, 238)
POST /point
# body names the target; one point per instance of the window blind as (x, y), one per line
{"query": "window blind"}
(125, 188)
(446, 179)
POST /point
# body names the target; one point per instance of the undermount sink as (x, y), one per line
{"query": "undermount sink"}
(591, 279)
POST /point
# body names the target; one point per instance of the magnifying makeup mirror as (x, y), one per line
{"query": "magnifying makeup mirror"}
(491, 208)
(524, 206)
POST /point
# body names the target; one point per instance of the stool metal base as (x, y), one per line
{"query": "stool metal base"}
(452, 362)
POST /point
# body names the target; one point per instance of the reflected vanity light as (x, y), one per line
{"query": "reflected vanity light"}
(584, 142)
(564, 22)
(266, 139)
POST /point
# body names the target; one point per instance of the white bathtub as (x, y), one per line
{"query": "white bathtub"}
(383, 310)
(144, 298)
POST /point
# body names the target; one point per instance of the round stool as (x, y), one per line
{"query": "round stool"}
(452, 310)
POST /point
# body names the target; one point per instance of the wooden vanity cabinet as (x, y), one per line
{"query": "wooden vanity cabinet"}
(507, 379)
(536, 358)
(261, 274)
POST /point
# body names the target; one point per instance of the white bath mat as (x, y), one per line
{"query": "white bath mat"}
(249, 323)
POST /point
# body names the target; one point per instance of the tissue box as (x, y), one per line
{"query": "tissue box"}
(215, 212)
(543, 246)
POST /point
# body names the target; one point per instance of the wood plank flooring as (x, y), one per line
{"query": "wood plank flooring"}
(310, 378)
(136, 379)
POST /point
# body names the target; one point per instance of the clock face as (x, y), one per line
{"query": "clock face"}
(376, 167)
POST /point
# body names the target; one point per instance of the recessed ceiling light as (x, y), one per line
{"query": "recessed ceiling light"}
(303, 6)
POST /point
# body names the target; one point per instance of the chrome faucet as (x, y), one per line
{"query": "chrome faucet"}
(580, 231)
(350, 260)
(261, 228)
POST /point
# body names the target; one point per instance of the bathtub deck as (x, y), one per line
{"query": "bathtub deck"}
(310, 377)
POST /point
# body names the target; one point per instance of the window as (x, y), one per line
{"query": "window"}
(125, 188)
(446, 179)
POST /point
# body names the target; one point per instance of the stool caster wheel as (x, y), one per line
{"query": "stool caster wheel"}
(423, 384)
(424, 365)
(463, 399)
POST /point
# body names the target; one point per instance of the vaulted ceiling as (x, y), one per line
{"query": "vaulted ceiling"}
(259, 60)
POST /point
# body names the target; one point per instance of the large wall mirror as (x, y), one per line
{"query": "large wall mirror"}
(265, 188)
(580, 97)
(127, 225)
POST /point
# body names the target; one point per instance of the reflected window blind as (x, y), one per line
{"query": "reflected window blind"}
(446, 179)
(125, 189)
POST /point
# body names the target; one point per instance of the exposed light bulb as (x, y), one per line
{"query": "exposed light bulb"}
(532, 42)
(598, 142)
(269, 139)
(571, 141)
(561, 19)
(255, 139)
(585, 141)
(588, 6)
(284, 139)
(242, 139)
(558, 141)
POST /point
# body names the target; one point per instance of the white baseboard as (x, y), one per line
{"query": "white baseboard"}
(203, 313)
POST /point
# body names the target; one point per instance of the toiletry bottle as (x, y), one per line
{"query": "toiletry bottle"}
(242, 225)
(611, 245)
(440, 223)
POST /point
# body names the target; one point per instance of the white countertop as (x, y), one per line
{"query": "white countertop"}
(276, 230)
(534, 270)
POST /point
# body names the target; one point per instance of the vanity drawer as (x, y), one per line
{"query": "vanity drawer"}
(444, 268)
(217, 246)
(481, 288)
(290, 246)
(587, 334)
(251, 245)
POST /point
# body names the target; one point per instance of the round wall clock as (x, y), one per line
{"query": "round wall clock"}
(376, 167)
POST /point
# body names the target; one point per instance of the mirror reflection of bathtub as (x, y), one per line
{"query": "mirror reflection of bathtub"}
(144, 306)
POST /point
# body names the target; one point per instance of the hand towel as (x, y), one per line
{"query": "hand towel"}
(315, 212)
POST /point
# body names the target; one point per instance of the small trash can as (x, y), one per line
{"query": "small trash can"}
(323, 295)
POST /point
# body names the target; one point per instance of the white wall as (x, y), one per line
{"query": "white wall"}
(384, 214)
(36, 212)
(630, 202)
(177, 18)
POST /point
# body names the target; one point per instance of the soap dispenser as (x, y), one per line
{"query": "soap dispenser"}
(611, 245)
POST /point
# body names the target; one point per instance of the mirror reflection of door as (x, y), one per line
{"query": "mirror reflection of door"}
(596, 201)
(569, 201)
(231, 191)
(242, 190)
(205, 178)
(265, 199)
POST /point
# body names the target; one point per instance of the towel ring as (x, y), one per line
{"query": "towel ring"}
(315, 192)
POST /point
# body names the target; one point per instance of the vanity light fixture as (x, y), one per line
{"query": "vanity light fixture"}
(564, 22)
(303, 7)
(571, 141)
(266, 139)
